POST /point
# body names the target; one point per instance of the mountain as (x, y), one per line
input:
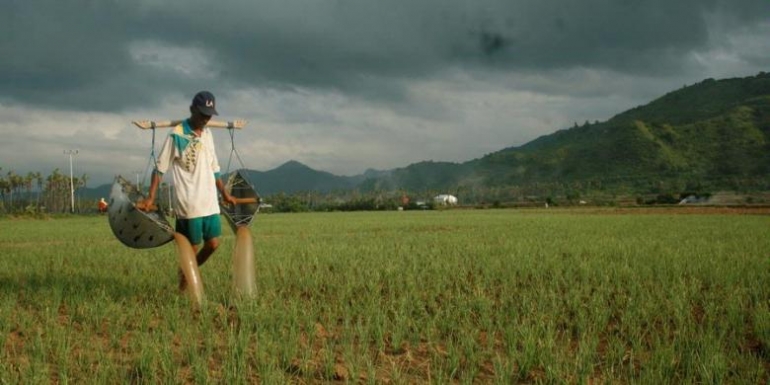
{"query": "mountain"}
(715, 133)
(293, 176)
(289, 178)
(102, 191)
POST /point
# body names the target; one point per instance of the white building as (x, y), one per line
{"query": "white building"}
(445, 200)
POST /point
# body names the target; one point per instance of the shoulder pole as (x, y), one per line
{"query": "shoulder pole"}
(151, 124)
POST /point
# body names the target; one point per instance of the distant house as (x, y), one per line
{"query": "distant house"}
(694, 199)
(445, 200)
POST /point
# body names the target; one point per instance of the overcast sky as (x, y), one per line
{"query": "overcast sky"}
(346, 85)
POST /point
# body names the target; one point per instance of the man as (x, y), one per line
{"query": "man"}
(102, 205)
(189, 153)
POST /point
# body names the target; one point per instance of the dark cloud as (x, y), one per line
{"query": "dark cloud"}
(87, 54)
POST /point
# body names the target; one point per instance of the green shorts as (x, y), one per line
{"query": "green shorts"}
(200, 229)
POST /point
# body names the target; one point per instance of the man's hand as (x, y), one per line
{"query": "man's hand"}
(229, 199)
(240, 123)
(143, 124)
(146, 205)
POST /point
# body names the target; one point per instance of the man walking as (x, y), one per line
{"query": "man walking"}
(189, 153)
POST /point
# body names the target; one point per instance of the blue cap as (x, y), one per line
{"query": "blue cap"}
(205, 103)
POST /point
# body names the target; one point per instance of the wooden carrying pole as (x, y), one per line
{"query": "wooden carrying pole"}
(151, 124)
(239, 201)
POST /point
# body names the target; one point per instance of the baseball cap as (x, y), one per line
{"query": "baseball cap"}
(205, 103)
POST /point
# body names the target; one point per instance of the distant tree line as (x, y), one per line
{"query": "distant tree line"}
(336, 201)
(610, 191)
(35, 193)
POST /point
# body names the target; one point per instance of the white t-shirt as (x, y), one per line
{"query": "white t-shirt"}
(193, 161)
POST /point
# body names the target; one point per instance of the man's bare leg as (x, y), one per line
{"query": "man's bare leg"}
(209, 247)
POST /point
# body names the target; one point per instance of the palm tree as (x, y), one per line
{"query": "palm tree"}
(55, 189)
(28, 186)
(18, 186)
(39, 179)
(3, 189)
(11, 186)
(82, 184)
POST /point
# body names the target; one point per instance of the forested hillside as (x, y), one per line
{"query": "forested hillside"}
(711, 135)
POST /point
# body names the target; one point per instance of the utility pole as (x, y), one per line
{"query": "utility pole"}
(137, 177)
(72, 185)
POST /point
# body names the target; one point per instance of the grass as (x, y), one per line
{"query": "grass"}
(492, 296)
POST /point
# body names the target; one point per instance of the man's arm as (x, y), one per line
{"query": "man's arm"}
(225, 195)
(162, 164)
(148, 204)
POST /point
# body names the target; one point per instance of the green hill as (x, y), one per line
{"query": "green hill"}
(711, 135)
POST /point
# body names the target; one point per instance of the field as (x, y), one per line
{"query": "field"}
(456, 296)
